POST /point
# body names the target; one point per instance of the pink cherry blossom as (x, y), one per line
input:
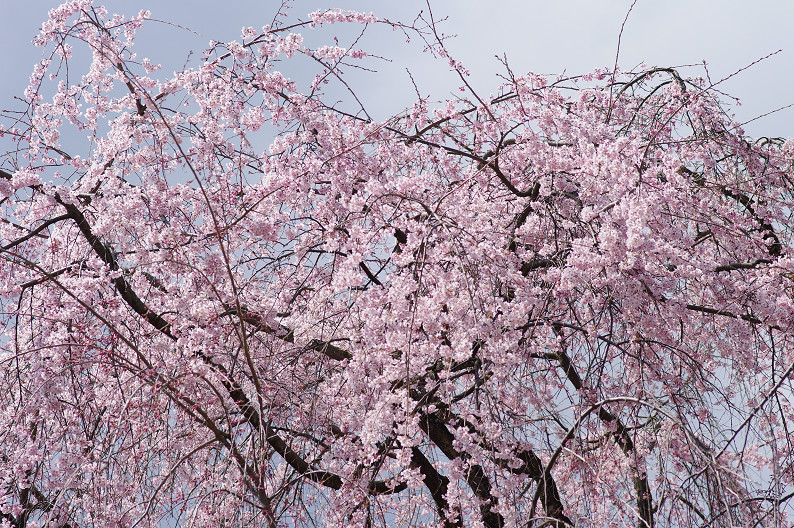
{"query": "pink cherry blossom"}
(227, 301)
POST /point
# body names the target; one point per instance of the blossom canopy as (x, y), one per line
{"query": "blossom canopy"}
(231, 300)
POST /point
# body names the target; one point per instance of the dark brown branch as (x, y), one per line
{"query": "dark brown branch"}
(531, 465)
(35, 232)
(741, 265)
(724, 313)
(437, 484)
(107, 256)
(285, 334)
(535, 264)
(369, 274)
(476, 478)
(775, 247)
(622, 438)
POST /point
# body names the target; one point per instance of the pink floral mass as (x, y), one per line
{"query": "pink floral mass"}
(233, 299)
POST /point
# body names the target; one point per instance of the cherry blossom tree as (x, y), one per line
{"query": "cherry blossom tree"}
(228, 300)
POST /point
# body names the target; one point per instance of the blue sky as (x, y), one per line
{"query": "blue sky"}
(574, 36)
